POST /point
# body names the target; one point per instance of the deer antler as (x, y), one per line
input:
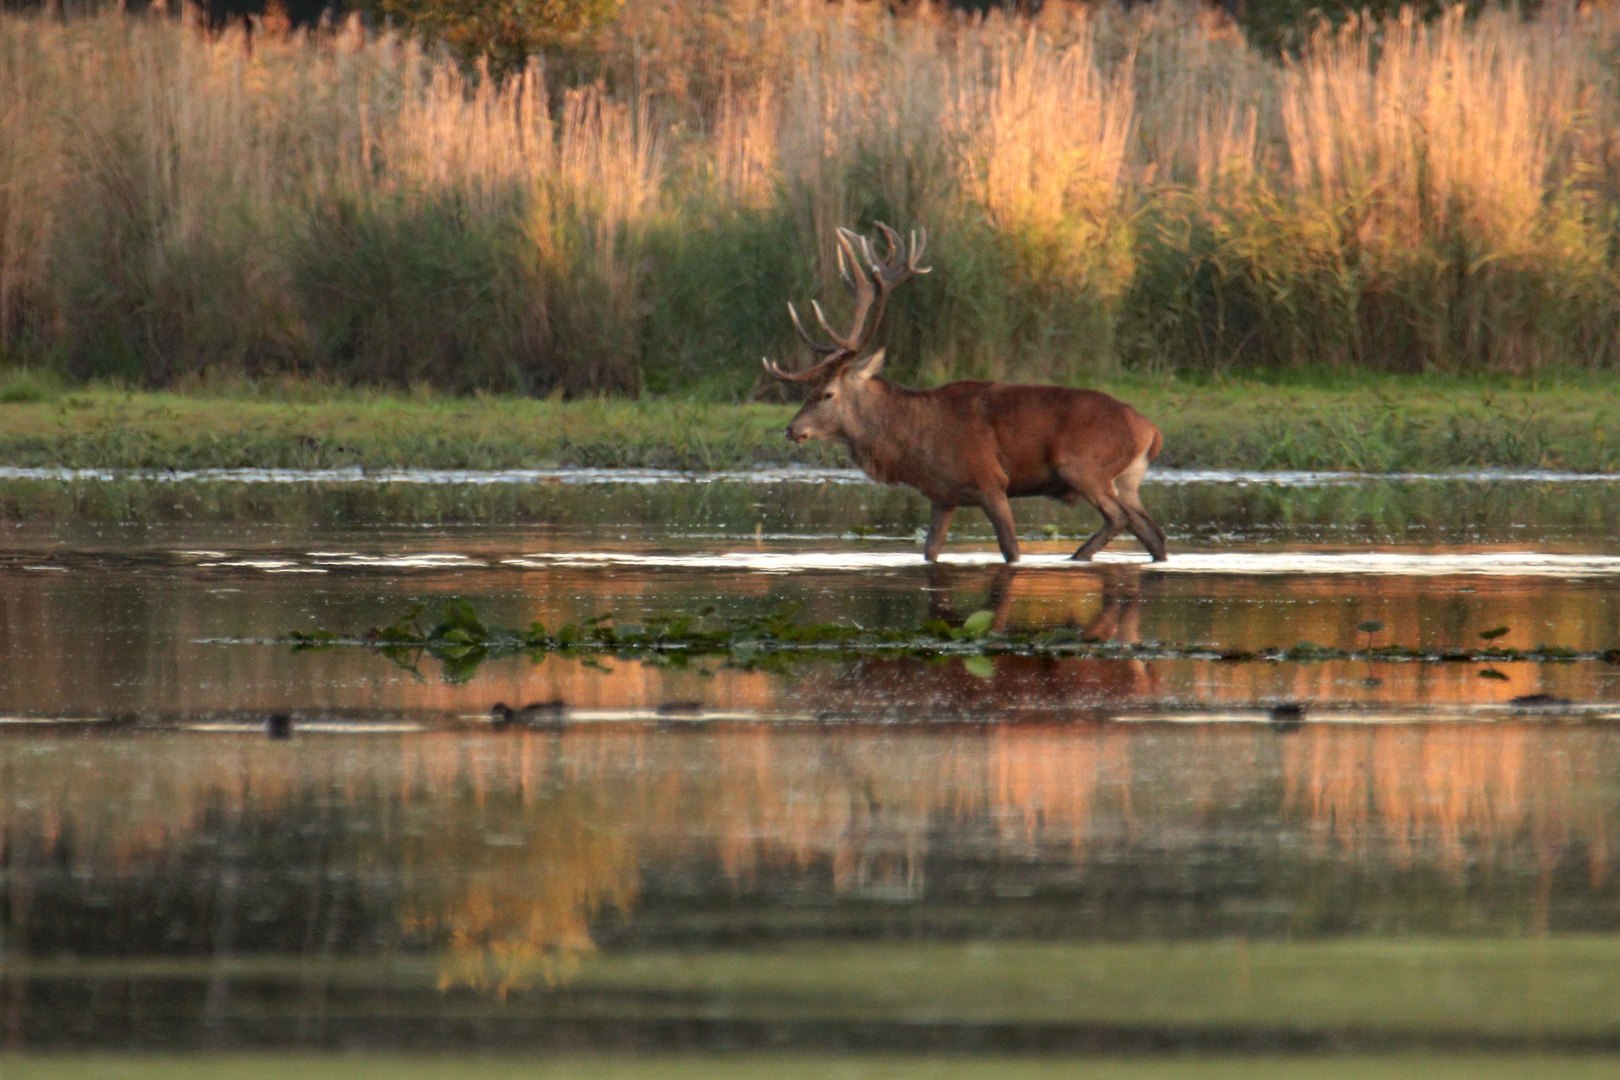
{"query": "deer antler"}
(892, 271)
(814, 345)
(870, 281)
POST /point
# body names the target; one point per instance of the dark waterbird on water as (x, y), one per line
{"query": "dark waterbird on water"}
(539, 712)
(1539, 701)
(279, 726)
(970, 443)
(1490, 636)
(1286, 716)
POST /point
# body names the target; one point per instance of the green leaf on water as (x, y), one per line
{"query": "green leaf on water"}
(980, 667)
(318, 639)
(460, 624)
(403, 628)
(978, 624)
(461, 669)
(1492, 673)
(1493, 633)
(1371, 626)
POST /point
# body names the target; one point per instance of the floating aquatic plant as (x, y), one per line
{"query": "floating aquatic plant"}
(460, 640)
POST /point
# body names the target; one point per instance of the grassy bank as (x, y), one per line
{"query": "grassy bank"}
(1366, 424)
(1107, 191)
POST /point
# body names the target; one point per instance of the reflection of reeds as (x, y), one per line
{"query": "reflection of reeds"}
(1457, 794)
(506, 849)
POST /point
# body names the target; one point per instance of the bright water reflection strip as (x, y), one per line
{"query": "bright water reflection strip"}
(1421, 564)
(785, 474)
(316, 727)
(1455, 713)
(778, 475)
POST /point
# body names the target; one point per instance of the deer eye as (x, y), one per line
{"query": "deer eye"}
(827, 396)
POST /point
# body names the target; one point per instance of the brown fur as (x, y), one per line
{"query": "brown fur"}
(982, 443)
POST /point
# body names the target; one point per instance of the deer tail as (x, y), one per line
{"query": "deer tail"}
(1156, 445)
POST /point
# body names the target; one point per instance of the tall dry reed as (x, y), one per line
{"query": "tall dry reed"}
(1102, 187)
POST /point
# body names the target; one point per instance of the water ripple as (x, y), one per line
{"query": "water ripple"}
(1422, 564)
(786, 474)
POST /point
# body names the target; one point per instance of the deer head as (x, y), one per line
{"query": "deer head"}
(839, 378)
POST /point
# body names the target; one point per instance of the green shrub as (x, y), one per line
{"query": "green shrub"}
(504, 34)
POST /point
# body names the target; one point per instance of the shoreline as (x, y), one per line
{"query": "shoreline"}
(1371, 427)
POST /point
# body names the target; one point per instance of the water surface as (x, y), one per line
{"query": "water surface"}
(885, 855)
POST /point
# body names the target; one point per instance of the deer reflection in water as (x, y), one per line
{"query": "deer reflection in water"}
(1014, 687)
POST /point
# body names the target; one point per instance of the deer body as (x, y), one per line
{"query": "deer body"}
(973, 443)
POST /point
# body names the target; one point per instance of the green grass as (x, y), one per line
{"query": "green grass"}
(782, 1067)
(1394, 989)
(1561, 986)
(1369, 423)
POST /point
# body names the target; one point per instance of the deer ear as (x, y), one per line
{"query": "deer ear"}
(869, 367)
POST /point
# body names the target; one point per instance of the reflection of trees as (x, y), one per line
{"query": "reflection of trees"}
(504, 852)
(513, 862)
(480, 847)
(519, 900)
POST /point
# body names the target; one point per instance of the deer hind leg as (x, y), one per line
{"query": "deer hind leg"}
(999, 511)
(939, 523)
(1138, 520)
(1101, 495)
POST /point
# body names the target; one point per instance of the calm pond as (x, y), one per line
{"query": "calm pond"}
(849, 858)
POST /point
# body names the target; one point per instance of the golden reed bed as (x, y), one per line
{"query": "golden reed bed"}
(1104, 188)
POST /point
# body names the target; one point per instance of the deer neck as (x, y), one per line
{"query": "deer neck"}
(881, 432)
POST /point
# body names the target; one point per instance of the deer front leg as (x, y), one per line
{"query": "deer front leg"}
(1000, 599)
(939, 523)
(997, 509)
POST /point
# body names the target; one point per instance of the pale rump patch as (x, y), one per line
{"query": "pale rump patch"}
(1126, 483)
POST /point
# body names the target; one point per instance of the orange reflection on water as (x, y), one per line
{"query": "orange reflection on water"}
(509, 846)
(74, 650)
(1452, 793)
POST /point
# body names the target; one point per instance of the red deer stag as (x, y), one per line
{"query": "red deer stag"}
(968, 443)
